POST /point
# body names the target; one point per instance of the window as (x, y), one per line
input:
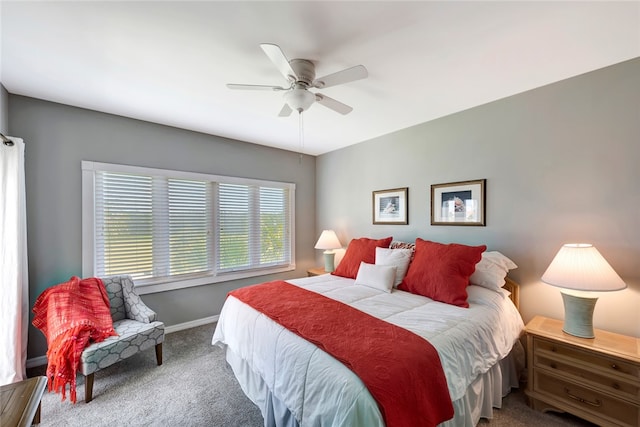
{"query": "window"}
(253, 227)
(171, 229)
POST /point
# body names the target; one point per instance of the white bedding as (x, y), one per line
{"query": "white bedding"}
(317, 389)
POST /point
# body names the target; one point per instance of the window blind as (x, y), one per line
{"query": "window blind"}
(190, 227)
(253, 226)
(150, 226)
(172, 229)
(124, 225)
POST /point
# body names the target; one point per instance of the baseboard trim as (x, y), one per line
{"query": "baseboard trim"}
(42, 360)
(36, 361)
(191, 324)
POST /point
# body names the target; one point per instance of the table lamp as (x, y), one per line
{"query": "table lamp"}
(328, 241)
(580, 271)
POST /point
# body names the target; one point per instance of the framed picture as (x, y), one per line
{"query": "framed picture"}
(458, 203)
(391, 206)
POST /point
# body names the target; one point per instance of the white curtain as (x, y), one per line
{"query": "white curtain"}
(14, 284)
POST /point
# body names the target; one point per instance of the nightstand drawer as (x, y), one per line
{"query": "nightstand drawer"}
(615, 386)
(598, 404)
(607, 364)
(597, 379)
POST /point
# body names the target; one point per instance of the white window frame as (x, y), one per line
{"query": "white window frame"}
(89, 168)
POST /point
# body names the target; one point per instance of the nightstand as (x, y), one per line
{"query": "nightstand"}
(21, 402)
(315, 271)
(596, 379)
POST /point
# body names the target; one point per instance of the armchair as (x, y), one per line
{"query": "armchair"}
(136, 325)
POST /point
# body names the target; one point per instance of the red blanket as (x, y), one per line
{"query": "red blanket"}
(69, 315)
(401, 369)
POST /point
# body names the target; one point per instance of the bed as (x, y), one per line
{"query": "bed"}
(295, 383)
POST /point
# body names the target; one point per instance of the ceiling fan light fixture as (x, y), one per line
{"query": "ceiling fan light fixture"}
(299, 99)
(301, 75)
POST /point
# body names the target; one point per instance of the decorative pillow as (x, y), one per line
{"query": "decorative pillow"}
(491, 270)
(441, 272)
(376, 276)
(403, 245)
(359, 250)
(400, 258)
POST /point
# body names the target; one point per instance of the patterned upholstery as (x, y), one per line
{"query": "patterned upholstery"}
(137, 327)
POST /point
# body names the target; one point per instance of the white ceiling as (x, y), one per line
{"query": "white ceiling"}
(168, 62)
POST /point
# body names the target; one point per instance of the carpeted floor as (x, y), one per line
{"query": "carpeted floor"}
(195, 387)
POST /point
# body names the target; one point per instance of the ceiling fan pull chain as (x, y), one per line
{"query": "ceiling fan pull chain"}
(301, 130)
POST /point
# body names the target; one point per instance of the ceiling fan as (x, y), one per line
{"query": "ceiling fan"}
(301, 75)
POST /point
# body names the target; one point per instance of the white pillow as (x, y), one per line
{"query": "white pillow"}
(491, 270)
(400, 258)
(376, 276)
(500, 260)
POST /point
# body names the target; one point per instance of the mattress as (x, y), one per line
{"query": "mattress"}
(284, 374)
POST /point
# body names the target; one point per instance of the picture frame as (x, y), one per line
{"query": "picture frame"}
(391, 206)
(459, 203)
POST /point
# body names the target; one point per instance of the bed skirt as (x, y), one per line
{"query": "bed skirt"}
(484, 394)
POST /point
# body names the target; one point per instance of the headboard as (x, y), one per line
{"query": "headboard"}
(514, 290)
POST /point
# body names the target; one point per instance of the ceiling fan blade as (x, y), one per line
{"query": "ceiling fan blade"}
(286, 111)
(276, 56)
(350, 74)
(331, 103)
(254, 87)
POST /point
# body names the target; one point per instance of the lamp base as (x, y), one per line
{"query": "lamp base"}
(578, 315)
(328, 261)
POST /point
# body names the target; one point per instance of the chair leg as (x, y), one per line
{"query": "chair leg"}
(88, 388)
(159, 353)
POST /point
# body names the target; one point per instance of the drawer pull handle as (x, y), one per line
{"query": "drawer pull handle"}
(553, 349)
(553, 366)
(614, 366)
(616, 386)
(582, 400)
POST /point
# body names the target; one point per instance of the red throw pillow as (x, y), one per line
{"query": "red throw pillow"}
(441, 272)
(359, 250)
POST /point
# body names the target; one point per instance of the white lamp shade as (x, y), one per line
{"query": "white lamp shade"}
(579, 266)
(328, 240)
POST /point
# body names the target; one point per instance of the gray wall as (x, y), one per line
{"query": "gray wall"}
(4, 111)
(561, 163)
(59, 137)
